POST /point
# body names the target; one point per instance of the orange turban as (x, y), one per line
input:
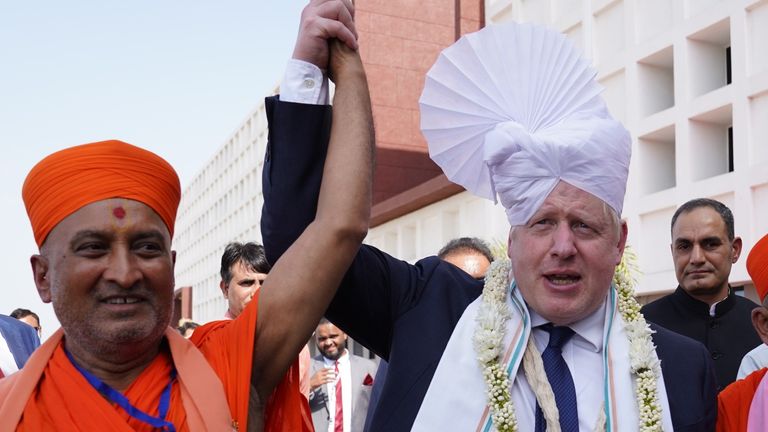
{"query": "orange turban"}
(757, 266)
(72, 178)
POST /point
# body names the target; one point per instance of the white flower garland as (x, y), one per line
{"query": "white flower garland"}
(492, 317)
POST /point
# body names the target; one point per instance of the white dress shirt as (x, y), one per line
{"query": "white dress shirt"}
(304, 83)
(583, 354)
(345, 375)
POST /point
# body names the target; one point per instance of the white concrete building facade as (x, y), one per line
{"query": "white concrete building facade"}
(222, 204)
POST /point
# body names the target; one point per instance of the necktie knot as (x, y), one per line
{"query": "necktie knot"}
(558, 335)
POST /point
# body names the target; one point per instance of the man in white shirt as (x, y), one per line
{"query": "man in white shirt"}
(336, 372)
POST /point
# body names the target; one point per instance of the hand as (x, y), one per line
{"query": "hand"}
(343, 61)
(323, 376)
(322, 20)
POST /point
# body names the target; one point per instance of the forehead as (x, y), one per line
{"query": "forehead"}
(465, 255)
(701, 221)
(570, 200)
(327, 329)
(30, 319)
(110, 215)
(239, 270)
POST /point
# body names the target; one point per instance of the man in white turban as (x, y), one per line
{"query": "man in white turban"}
(510, 112)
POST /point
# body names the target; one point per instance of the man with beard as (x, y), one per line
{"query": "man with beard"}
(704, 307)
(341, 382)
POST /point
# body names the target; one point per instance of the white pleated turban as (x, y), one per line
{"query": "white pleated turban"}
(513, 109)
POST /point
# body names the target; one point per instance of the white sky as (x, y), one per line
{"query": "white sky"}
(175, 77)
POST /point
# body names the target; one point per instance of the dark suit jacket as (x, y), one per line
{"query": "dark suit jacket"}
(20, 337)
(728, 336)
(406, 313)
(362, 373)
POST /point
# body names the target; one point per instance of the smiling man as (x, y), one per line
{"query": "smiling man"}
(341, 383)
(103, 218)
(704, 307)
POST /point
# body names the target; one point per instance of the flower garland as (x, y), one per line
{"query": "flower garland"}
(491, 320)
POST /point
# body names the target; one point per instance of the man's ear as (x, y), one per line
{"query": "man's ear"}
(40, 274)
(623, 233)
(760, 322)
(737, 245)
(224, 288)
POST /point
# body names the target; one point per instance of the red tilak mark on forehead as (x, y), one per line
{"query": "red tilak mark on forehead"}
(119, 212)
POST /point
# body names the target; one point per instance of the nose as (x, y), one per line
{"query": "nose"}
(562, 242)
(122, 268)
(697, 255)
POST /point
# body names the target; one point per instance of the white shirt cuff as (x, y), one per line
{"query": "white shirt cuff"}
(304, 83)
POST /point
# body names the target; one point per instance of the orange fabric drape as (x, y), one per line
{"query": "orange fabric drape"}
(56, 393)
(734, 401)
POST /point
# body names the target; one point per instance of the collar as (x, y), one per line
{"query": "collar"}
(589, 329)
(699, 307)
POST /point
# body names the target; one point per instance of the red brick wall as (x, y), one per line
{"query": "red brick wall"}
(399, 42)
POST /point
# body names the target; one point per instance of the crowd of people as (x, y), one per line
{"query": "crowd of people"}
(548, 337)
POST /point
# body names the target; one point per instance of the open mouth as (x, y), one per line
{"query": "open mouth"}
(563, 279)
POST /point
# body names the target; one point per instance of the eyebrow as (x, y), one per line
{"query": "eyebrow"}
(105, 235)
(148, 234)
(82, 235)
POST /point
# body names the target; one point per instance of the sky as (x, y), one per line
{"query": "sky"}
(175, 77)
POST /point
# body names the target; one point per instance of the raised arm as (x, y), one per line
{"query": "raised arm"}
(303, 281)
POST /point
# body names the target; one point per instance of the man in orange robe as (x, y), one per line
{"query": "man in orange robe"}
(103, 218)
(743, 405)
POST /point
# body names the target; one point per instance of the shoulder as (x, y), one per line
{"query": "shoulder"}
(734, 401)
(667, 339)
(744, 303)
(362, 361)
(680, 355)
(657, 305)
(11, 324)
(743, 387)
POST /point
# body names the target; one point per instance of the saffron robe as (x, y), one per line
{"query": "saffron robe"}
(212, 391)
(734, 402)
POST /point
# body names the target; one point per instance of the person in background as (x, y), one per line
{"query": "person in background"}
(470, 254)
(704, 307)
(341, 383)
(18, 341)
(244, 269)
(29, 317)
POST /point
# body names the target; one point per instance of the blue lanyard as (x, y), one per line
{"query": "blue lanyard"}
(118, 398)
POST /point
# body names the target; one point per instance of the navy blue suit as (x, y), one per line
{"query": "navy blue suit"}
(406, 313)
(20, 337)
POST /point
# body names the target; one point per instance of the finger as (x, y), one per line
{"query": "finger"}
(335, 29)
(350, 7)
(340, 12)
